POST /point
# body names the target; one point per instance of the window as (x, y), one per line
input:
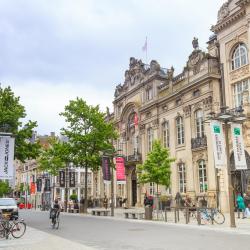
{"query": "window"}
(182, 178)
(239, 56)
(81, 177)
(180, 130)
(196, 93)
(76, 180)
(150, 139)
(149, 94)
(178, 102)
(202, 176)
(151, 188)
(239, 88)
(165, 134)
(199, 122)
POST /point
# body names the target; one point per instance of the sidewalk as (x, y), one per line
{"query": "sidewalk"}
(34, 239)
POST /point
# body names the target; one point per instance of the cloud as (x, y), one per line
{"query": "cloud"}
(53, 50)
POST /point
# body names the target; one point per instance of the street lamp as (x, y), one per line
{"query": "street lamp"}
(227, 116)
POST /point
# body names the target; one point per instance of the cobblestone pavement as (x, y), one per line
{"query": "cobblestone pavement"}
(34, 239)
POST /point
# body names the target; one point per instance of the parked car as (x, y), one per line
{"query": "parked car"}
(8, 206)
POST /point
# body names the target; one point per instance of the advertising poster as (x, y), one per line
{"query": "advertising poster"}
(120, 170)
(106, 168)
(62, 178)
(72, 179)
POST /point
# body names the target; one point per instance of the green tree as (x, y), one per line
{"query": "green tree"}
(157, 166)
(11, 114)
(4, 188)
(89, 134)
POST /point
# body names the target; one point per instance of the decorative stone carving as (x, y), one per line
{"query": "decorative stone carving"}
(170, 73)
(223, 11)
(197, 105)
(199, 155)
(148, 114)
(195, 43)
(118, 90)
(155, 123)
(239, 73)
(154, 67)
(142, 128)
(187, 110)
(207, 102)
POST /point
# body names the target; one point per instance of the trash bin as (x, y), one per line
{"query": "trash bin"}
(148, 212)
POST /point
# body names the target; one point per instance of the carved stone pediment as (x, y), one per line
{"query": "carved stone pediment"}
(195, 58)
(207, 103)
(154, 67)
(199, 155)
(223, 11)
(155, 123)
(239, 73)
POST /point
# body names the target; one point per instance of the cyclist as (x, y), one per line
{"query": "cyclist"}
(55, 211)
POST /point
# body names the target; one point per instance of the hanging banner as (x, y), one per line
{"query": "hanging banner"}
(32, 188)
(218, 144)
(62, 178)
(6, 157)
(136, 119)
(72, 178)
(238, 146)
(106, 168)
(47, 185)
(39, 185)
(120, 170)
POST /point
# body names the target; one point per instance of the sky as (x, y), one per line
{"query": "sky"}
(52, 51)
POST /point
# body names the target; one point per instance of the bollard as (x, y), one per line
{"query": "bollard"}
(166, 218)
(198, 216)
(178, 214)
(175, 215)
(187, 215)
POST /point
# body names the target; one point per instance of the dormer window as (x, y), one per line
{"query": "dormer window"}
(149, 94)
(196, 93)
(240, 57)
(178, 102)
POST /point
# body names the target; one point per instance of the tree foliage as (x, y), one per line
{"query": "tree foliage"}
(88, 133)
(157, 167)
(11, 114)
(55, 157)
(4, 188)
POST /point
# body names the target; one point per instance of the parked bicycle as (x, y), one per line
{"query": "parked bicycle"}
(211, 215)
(14, 227)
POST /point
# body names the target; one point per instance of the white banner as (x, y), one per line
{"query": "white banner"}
(238, 146)
(218, 144)
(6, 157)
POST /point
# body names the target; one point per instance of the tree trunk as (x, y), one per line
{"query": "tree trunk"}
(86, 190)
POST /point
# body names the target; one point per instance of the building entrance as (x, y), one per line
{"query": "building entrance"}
(134, 188)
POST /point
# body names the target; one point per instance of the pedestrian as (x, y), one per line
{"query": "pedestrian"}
(240, 205)
(247, 199)
(105, 202)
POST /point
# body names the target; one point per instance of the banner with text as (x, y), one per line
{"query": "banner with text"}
(72, 179)
(120, 170)
(6, 157)
(62, 178)
(106, 168)
(238, 146)
(39, 185)
(218, 144)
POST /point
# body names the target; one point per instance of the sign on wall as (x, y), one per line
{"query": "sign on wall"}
(62, 178)
(120, 170)
(218, 144)
(106, 168)
(6, 157)
(39, 185)
(32, 187)
(47, 185)
(238, 146)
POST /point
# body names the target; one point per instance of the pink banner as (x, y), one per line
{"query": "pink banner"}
(120, 169)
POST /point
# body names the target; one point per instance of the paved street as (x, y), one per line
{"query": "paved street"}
(79, 232)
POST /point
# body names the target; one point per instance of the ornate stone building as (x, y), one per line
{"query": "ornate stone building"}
(154, 103)
(231, 44)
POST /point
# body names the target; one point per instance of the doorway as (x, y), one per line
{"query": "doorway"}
(134, 188)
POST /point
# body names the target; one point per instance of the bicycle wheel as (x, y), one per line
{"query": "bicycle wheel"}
(2, 230)
(18, 229)
(57, 223)
(219, 218)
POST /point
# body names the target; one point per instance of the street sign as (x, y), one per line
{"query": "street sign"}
(72, 179)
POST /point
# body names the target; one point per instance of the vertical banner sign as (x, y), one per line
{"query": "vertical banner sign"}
(72, 178)
(218, 144)
(6, 157)
(39, 185)
(62, 178)
(120, 170)
(32, 188)
(47, 185)
(106, 168)
(238, 146)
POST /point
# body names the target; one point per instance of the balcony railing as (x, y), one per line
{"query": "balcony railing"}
(134, 158)
(199, 142)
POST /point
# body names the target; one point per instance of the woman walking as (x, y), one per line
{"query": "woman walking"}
(240, 206)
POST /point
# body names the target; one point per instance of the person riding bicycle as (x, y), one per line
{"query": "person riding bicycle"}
(55, 211)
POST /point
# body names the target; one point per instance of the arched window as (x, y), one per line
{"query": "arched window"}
(199, 123)
(202, 176)
(182, 178)
(180, 130)
(165, 134)
(239, 57)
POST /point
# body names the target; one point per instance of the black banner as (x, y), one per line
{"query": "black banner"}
(47, 185)
(72, 179)
(106, 168)
(62, 178)
(39, 185)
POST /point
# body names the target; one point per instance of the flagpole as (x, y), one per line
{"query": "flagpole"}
(146, 50)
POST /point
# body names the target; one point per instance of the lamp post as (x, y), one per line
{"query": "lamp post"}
(227, 116)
